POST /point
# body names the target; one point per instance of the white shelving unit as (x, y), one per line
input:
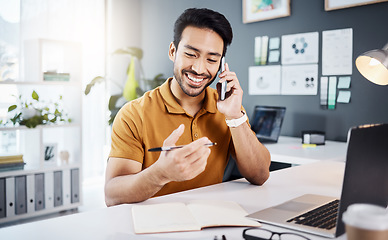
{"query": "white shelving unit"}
(44, 187)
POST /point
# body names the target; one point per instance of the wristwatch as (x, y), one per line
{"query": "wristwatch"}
(238, 121)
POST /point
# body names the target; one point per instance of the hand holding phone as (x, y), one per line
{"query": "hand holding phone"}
(223, 85)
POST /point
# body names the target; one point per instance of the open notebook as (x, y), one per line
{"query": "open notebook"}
(191, 216)
(365, 181)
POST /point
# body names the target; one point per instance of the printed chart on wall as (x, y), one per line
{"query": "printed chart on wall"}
(300, 48)
(337, 52)
(299, 80)
(264, 80)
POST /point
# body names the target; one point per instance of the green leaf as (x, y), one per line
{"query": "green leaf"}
(12, 107)
(113, 114)
(16, 118)
(133, 51)
(35, 96)
(112, 101)
(94, 81)
(139, 91)
(158, 80)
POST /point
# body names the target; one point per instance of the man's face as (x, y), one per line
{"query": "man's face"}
(197, 59)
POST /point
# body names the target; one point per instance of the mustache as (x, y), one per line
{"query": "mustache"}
(195, 73)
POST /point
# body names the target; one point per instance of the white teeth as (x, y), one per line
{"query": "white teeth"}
(194, 79)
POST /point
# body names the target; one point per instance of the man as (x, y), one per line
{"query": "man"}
(185, 111)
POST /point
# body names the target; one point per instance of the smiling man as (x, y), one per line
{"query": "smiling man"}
(185, 111)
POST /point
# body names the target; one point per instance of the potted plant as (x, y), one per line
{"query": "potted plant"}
(133, 87)
(35, 112)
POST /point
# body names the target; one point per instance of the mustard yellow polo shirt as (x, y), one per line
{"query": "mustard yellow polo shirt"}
(147, 121)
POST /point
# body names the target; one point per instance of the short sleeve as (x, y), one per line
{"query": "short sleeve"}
(126, 133)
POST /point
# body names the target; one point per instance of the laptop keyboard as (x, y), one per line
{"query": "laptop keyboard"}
(322, 217)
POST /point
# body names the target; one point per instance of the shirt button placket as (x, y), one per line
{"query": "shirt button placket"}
(195, 130)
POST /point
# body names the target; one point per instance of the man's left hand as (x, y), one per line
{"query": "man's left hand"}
(231, 106)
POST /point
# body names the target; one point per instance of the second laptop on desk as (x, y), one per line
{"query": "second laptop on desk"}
(365, 181)
(267, 122)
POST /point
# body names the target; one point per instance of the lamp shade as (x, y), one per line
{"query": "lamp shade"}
(373, 65)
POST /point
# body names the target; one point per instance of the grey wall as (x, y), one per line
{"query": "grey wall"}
(369, 102)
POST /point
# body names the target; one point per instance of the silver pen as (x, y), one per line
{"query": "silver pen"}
(159, 149)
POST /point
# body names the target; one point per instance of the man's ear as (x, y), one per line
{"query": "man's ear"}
(172, 51)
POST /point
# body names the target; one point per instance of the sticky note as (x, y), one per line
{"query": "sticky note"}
(274, 56)
(344, 82)
(274, 43)
(344, 96)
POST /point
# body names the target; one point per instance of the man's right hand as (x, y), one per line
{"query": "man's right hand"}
(184, 163)
(126, 182)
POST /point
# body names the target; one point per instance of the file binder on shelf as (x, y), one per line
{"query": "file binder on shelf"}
(66, 187)
(58, 201)
(20, 195)
(39, 192)
(10, 196)
(2, 198)
(75, 185)
(49, 190)
(30, 193)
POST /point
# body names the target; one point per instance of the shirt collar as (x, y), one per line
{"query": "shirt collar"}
(172, 106)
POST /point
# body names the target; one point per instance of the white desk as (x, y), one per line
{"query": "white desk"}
(290, 150)
(115, 223)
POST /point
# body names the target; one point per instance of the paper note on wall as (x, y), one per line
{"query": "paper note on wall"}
(274, 56)
(274, 43)
(324, 85)
(337, 52)
(264, 80)
(300, 80)
(257, 50)
(264, 50)
(300, 48)
(344, 96)
(344, 82)
(261, 50)
(332, 92)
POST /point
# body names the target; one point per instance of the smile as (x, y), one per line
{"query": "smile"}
(192, 78)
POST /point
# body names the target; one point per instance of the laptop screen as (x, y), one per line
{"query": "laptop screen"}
(267, 122)
(366, 178)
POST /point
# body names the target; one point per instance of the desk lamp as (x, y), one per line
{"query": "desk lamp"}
(373, 65)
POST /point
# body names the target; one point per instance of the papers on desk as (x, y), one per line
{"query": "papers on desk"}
(192, 216)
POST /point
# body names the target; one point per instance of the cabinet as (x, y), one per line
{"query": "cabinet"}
(51, 178)
(32, 193)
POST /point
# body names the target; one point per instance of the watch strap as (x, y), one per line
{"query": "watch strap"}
(238, 121)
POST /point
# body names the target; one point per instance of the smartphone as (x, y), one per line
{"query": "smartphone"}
(223, 85)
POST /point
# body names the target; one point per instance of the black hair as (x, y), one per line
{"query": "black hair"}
(203, 18)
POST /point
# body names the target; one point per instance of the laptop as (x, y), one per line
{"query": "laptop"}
(365, 181)
(267, 123)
